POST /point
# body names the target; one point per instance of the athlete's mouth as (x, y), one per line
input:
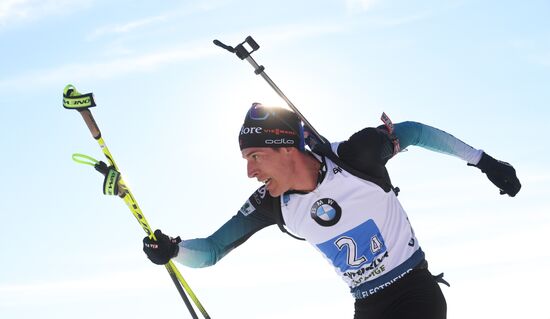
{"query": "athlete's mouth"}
(266, 181)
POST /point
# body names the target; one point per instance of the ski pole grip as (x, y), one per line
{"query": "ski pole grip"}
(224, 46)
(90, 122)
(240, 50)
(74, 100)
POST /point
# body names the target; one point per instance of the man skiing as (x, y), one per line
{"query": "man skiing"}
(340, 199)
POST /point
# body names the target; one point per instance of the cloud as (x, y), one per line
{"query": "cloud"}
(187, 9)
(281, 34)
(108, 69)
(397, 21)
(534, 49)
(150, 61)
(541, 58)
(360, 5)
(127, 27)
(26, 10)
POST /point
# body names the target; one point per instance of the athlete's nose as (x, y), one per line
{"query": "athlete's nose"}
(251, 169)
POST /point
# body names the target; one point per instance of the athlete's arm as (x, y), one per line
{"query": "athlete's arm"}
(369, 149)
(501, 174)
(253, 216)
(425, 136)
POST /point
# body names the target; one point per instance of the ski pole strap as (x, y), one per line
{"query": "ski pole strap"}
(112, 177)
(74, 100)
(84, 159)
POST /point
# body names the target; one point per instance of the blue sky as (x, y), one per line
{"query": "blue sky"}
(170, 105)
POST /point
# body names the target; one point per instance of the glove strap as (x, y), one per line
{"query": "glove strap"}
(389, 126)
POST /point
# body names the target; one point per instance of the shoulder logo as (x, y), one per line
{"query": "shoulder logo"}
(247, 208)
(326, 212)
(261, 191)
(259, 195)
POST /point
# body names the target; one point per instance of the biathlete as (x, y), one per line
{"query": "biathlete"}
(340, 199)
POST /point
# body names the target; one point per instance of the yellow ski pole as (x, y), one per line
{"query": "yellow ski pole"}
(72, 99)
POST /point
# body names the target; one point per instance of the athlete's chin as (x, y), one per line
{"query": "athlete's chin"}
(274, 191)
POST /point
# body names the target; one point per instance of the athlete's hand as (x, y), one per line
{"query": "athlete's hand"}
(502, 174)
(163, 249)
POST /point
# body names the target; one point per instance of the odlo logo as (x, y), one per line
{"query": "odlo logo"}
(251, 130)
(281, 141)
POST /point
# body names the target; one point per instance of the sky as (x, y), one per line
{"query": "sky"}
(170, 105)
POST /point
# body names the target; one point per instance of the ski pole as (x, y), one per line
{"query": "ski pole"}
(72, 99)
(245, 54)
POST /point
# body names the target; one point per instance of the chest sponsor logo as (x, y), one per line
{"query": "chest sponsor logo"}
(358, 253)
(326, 212)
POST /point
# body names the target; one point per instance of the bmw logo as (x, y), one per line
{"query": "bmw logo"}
(326, 212)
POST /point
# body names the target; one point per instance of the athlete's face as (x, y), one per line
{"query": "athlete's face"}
(271, 166)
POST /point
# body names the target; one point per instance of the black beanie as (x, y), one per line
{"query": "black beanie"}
(271, 127)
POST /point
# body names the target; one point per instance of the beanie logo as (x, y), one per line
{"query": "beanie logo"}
(281, 141)
(251, 130)
(278, 131)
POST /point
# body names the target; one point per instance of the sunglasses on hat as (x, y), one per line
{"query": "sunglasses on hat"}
(258, 112)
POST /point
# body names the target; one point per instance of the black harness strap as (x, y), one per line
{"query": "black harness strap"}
(383, 182)
(278, 213)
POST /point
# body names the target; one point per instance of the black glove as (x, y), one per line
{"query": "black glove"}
(163, 249)
(502, 174)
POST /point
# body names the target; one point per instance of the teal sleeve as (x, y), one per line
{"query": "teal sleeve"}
(431, 138)
(204, 252)
(255, 214)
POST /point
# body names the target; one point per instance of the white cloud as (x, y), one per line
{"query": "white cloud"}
(542, 59)
(532, 48)
(397, 21)
(278, 34)
(108, 69)
(26, 10)
(360, 5)
(127, 27)
(153, 60)
(187, 9)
